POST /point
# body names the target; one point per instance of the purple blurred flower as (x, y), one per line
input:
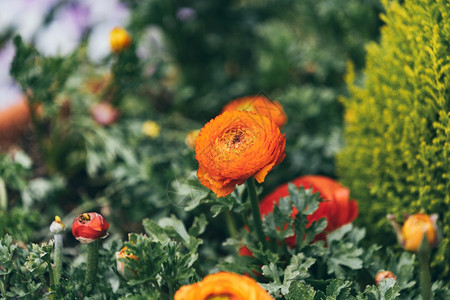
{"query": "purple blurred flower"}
(63, 35)
(186, 14)
(24, 16)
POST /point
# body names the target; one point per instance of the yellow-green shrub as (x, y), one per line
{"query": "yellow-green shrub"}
(397, 153)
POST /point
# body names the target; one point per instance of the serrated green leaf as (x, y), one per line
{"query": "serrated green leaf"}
(300, 291)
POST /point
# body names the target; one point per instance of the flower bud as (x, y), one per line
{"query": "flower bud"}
(104, 113)
(57, 226)
(414, 228)
(121, 257)
(89, 227)
(119, 39)
(151, 129)
(190, 138)
(384, 275)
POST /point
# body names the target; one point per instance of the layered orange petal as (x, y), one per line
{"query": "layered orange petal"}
(223, 285)
(237, 145)
(260, 105)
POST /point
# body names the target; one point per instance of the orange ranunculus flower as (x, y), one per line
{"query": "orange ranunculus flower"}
(260, 105)
(235, 146)
(336, 207)
(414, 228)
(223, 285)
(384, 275)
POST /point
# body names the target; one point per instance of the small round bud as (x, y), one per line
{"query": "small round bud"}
(119, 39)
(384, 275)
(190, 138)
(414, 228)
(151, 129)
(57, 226)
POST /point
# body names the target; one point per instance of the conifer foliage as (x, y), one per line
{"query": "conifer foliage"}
(396, 159)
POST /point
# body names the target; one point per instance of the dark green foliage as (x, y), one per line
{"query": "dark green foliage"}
(396, 158)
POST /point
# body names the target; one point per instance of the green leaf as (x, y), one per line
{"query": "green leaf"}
(300, 291)
(386, 290)
(339, 289)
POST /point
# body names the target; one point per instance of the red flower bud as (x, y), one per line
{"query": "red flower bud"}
(89, 227)
(384, 275)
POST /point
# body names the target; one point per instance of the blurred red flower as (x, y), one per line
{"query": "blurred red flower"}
(336, 207)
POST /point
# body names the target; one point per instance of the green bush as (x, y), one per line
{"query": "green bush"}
(396, 158)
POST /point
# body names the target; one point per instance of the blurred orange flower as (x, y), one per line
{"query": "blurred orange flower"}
(13, 122)
(414, 228)
(235, 146)
(336, 207)
(119, 39)
(223, 285)
(191, 137)
(260, 105)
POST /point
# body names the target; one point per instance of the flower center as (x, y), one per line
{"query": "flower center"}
(234, 139)
(84, 218)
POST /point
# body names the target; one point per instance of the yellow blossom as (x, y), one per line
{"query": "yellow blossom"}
(151, 129)
(119, 39)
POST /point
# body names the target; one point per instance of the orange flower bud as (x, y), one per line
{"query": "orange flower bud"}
(223, 285)
(260, 105)
(414, 228)
(124, 254)
(89, 227)
(119, 39)
(384, 275)
(191, 137)
(235, 146)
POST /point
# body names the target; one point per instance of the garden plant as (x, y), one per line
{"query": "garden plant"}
(200, 150)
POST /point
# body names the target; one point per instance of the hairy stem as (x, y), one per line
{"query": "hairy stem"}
(92, 263)
(57, 258)
(254, 206)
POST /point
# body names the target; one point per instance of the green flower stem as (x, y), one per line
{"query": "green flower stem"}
(57, 258)
(230, 224)
(254, 206)
(3, 196)
(424, 265)
(92, 263)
